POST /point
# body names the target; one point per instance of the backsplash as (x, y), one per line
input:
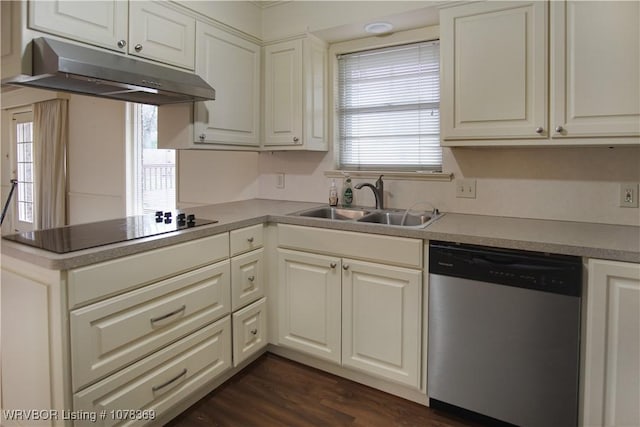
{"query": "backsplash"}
(573, 184)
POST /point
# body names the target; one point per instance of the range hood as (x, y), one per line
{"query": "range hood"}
(68, 67)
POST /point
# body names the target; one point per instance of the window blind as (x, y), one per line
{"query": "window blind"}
(389, 108)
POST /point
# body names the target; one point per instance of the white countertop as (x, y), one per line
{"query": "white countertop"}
(613, 242)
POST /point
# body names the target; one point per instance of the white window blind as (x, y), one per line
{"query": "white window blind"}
(389, 108)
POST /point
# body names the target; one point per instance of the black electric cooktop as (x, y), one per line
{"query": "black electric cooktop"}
(84, 236)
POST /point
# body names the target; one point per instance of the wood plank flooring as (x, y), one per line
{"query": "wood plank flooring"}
(274, 391)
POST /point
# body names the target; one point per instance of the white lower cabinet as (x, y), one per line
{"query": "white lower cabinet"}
(249, 331)
(363, 314)
(381, 320)
(612, 346)
(110, 334)
(309, 303)
(154, 384)
(247, 272)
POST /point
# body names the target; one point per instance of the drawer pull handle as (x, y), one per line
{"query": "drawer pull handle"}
(254, 331)
(333, 265)
(251, 278)
(166, 316)
(345, 267)
(157, 388)
(250, 240)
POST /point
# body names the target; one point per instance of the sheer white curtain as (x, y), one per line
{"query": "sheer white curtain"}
(50, 135)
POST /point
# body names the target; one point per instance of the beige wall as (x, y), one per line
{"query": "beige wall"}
(96, 172)
(207, 177)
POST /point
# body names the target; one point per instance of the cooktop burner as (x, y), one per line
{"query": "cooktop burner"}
(84, 236)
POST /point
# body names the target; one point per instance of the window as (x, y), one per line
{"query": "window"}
(389, 108)
(151, 171)
(25, 191)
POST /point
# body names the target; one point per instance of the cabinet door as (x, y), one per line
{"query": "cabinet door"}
(232, 66)
(283, 93)
(309, 303)
(314, 71)
(612, 350)
(494, 70)
(162, 34)
(100, 23)
(381, 320)
(595, 69)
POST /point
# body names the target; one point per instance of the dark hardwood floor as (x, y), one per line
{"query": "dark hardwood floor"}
(274, 391)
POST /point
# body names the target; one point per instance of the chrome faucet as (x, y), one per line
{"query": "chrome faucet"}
(378, 191)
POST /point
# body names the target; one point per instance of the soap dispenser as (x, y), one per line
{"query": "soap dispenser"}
(333, 194)
(347, 192)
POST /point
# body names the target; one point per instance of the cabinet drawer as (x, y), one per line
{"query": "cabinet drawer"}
(246, 239)
(108, 278)
(113, 333)
(247, 278)
(401, 251)
(162, 379)
(249, 331)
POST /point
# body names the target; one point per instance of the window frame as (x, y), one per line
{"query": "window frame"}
(135, 166)
(425, 34)
(18, 117)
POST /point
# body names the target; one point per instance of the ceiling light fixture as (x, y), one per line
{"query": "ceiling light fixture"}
(378, 27)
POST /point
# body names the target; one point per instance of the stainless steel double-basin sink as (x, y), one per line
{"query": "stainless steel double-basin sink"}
(395, 217)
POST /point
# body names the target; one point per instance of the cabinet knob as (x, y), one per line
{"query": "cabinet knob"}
(202, 136)
(254, 331)
(251, 278)
(122, 43)
(559, 129)
(539, 129)
(138, 47)
(296, 139)
(345, 267)
(250, 240)
(333, 265)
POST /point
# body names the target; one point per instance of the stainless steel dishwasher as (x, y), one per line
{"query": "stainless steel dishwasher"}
(504, 333)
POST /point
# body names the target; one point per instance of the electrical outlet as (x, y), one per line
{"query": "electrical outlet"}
(280, 180)
(628, 195)
(466, 188)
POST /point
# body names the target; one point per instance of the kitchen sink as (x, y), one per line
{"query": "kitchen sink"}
(399, 218)
(394, 217)
(334, 213)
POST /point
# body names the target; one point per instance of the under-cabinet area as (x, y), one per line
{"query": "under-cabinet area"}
(156, 330)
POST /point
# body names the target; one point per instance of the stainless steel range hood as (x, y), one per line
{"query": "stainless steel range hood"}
(67, 67)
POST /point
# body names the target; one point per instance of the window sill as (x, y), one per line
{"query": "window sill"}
(397, 175)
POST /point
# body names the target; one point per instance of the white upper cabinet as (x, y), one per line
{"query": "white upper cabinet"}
(595, 74)
(494, 70)
(232, 66)
(153, 30)
(295, 80)
(100, 23)
(283, 93)
(540, 73)
(162, 34)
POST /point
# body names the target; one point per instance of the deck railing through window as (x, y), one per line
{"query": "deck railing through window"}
(158, 177)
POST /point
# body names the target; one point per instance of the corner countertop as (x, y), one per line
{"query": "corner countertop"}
(591, 240)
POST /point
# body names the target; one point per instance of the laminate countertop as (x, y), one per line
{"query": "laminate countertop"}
(591, 240)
